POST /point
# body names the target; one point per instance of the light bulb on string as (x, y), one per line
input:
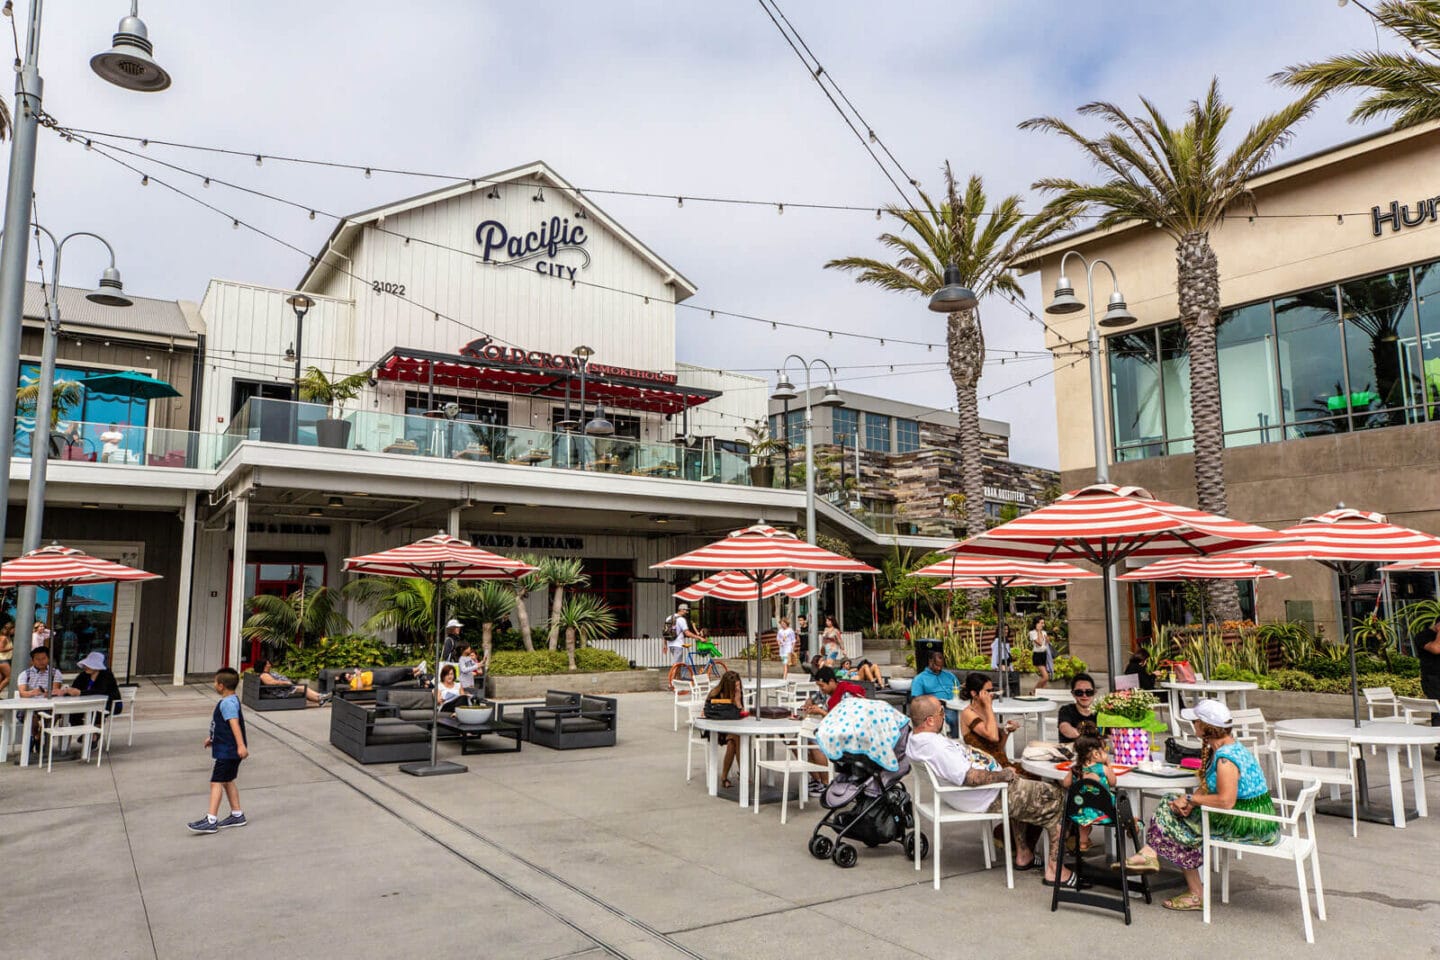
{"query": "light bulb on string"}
(259, 161)
(367, 173)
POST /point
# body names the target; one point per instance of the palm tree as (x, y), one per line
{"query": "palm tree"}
(982, 241)
(583, 616)
(403, 604)
(557, 573)
(1405, 86)
(1180, 180)
(279, 622)
(64, 395)
(522, 588)
(486, 603)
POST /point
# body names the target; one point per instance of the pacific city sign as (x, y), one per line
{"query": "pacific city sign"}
(555, 238)
(484, 348)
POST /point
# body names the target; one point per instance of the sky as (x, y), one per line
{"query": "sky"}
(680, 98)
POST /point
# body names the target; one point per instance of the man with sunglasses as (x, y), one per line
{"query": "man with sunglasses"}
(1072, 716)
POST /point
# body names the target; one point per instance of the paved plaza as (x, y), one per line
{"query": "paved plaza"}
(589, 853)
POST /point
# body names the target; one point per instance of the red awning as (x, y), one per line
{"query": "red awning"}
(449, 371)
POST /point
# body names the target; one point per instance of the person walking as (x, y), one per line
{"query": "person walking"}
(228, 746)
(785, 641)
(1042, 655)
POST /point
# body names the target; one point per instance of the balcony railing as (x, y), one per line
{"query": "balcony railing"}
(74, 441)
(309, 425)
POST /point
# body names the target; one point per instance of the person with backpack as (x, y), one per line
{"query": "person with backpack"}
(677, 631)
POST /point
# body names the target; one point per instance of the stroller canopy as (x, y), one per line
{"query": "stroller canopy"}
(870, 728)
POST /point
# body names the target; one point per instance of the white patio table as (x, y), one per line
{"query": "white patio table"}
(21, 710)
(744, 728)
(1391, 736)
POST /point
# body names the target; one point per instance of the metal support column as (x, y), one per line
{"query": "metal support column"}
(182, 603)
(237, 580)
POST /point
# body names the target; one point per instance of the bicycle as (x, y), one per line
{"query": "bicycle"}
(688, 669)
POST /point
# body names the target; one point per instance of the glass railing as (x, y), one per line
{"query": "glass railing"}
(74, 441)
(309, 425)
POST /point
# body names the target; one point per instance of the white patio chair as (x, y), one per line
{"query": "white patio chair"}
(1295, 844)
(128, 693)
(1383, 699)
(86, 719)
(693, 737)
(938, 812)
(794, 758)
(1418, 709)
(683, 691)
(1251, 729)
(1306, 771)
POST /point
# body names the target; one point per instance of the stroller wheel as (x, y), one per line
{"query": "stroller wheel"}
(910, 845)
(846, 856)
(821, 847)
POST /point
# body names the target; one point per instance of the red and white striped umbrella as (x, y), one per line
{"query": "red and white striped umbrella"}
(441, 557)
(1416, 566)
(732, 585)
(58, 566)
(1004, 571)
(976, 583)
(760, 548)
(1202, 568)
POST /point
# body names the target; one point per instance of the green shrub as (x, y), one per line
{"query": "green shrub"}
(344, 650)
(1324, 668)
(1299, 680)
(511, 663)
(1067, 667)
(1403, 666)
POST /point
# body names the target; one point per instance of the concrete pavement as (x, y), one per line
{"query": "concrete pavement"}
(577, 854)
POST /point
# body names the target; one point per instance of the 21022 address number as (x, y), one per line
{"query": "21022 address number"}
(380, 286)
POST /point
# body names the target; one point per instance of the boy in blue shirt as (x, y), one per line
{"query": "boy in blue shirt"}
(227, 747)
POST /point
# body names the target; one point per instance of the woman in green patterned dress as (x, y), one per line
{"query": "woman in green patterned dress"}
(1231, 780)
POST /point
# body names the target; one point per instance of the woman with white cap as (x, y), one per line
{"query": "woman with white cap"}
(1230, 779)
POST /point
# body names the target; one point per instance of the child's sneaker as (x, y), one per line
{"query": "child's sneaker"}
(204, 825)
(234, 820)
(816, 788)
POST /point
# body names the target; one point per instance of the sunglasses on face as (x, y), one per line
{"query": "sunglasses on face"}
(1083, 693)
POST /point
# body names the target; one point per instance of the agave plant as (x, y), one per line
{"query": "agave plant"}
(303, 617)
(585, 618)
(558, 573)
(1296, 642)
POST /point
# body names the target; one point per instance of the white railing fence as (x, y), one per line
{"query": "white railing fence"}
(651, 651)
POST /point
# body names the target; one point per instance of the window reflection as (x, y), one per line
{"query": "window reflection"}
(1249, 400)
(1312, 371)
(1175, 388)
(1424, 356)
(82, 619)
(1135, 395)
(1378, 314)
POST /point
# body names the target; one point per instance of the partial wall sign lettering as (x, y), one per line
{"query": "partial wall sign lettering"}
(523, 541)
(556, 239)
(484, 348)
(1399, 216)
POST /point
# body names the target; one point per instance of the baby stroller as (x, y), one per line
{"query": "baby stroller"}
(867, 804)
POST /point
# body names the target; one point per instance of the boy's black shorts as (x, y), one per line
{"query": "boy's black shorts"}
(225, 770)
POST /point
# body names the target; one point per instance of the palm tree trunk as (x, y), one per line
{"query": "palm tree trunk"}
(1198, 275)
(523, 616)
(965, 347)
(559, 601)
(570, 647)
(487, 641)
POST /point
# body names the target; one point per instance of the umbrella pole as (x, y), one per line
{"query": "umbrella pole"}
(1000, 638)
(1350, 638)
(1205, 628)
(1106, 579)
(759, 599)
(435, 767)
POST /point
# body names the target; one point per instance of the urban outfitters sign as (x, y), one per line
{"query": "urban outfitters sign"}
(557, 240)
(1399, 216)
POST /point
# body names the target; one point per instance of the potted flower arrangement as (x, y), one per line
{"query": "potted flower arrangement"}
(316, 387)
(1128, 716)
(763, 448)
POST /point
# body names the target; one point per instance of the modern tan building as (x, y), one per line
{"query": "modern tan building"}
(1329, 357)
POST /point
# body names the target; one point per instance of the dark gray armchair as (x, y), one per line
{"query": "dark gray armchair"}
(571, 721)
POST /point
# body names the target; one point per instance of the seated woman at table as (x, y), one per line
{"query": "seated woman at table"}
(1231, 780)
(448, 692)
(727, 701)
(1073, 716)
(93, 680)
(980, 727)
(268, 676)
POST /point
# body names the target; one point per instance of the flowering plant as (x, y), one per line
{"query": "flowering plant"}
(1128, 708)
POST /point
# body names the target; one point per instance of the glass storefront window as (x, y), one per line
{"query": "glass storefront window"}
(844, 425)
(1249, 401)
(877, 433)
(1379, 318)
(1423, 357)
(1175, 388)
(84, 620)
(1135, 395)
(907, 436)
(1313, 396)
(795, 428)
(82, 422)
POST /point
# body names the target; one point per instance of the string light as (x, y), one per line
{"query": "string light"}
(367, 173)
(258, 160)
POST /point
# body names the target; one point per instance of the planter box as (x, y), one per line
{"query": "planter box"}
(1297, 704)
(533, 686)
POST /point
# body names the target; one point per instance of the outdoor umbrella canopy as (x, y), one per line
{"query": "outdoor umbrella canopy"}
(130, 384)
(1344, 539)
(736, 586)
(1108, 524)
(437, 559)
(1202, 568)
(55, 566)
(758, 551)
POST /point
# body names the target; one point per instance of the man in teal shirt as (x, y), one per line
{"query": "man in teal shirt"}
(935, 681)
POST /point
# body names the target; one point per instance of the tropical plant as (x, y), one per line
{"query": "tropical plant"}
(297, 620)
(486, 603)
(1180, 180)
(339, 651)
(982, 240)
(763, 445)
(1421, 615)
(1296, 642)
(316, 387)
(522, 588)
(1067, 667)
(583, 617)
(1403, 85)
(558, 573)
(404, 604)
(64, 394)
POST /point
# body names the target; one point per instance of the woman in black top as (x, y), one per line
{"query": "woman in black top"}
(1072, 716)
(94, 680)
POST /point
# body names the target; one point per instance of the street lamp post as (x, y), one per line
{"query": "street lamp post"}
(1116, 315)
(301, 304)
(785, 391)
(129, 65)
(108, 292)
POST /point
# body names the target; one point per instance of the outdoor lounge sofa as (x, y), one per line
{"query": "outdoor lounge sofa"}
(257, 696)
(571, 721)
(375, 734)
(333, 680)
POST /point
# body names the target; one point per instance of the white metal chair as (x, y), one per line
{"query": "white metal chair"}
(938, 812)
(93, 724)
(128, 693)
(1382, 698)
(693, 736)
(1339, 775)
(1253, 731)
(794, 759)
(1418, 709)
(1296, 844)
(683, 693)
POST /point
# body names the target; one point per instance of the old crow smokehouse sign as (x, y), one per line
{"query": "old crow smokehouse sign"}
(484, 348)
(556, 237)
